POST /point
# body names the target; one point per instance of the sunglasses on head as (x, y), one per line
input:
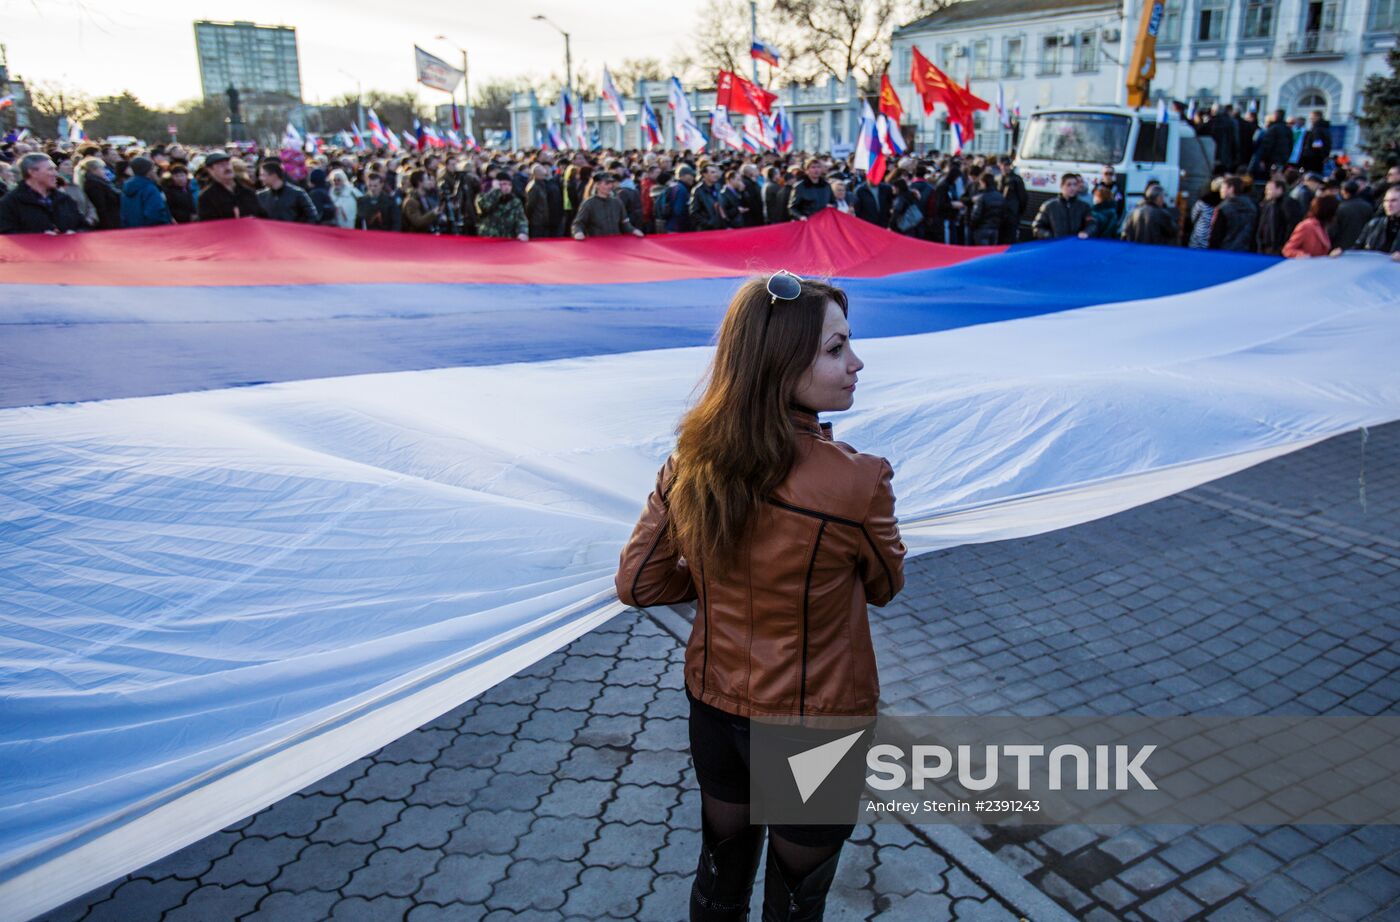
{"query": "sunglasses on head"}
(783, 286)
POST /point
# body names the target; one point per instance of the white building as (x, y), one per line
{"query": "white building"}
(1297, 55)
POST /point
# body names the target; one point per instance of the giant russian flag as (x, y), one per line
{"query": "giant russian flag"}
(272, 495)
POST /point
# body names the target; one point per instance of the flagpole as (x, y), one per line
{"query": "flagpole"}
(753, 39)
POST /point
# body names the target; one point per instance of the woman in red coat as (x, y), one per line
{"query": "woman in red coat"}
(1310, 238)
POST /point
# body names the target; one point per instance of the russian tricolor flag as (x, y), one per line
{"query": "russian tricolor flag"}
(317, 486)
(766, 53)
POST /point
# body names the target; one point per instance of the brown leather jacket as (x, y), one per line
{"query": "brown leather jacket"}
(788, 634)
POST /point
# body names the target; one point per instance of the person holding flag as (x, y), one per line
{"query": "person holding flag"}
(782, 128)
(935, 87)
(688, 133)
(742, 97)
(892, 115)
(651, 126)
(721, 129)
(612, 97)
(869, 155)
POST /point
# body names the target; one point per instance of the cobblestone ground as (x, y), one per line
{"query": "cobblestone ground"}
(1273, 591)
(566, 791)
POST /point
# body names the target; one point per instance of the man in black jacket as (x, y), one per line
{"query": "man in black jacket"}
(1277, 217)
(282, 200)
(1276, 145)
(775, 197)
(376, 209)
(873, 201)
(988, 217)
(35, 206)
(753, 195)
(1352, 216)
(537, 210)
(1317, 143)
(1226, 132)
(1013, 190)
(732, 201)
(1150, 221)
(1236, 221)
(225, 197)
(705, 210)
(923, 192)
(1064, 215)
(1382, 234)
(811, 193)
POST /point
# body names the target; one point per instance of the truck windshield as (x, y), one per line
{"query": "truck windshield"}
(1083, 137)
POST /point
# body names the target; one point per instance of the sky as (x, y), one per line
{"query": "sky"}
(147, 46)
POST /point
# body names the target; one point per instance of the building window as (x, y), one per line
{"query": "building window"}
(1259, 19)
(1015, 57)
(1086, 52)
(906, 63)
(1170, 31)
(1210, 20)
(1385, 16)
(981, 57)
(1049, 55)
(945, 55)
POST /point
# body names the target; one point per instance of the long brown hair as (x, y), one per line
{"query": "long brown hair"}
(736, 444)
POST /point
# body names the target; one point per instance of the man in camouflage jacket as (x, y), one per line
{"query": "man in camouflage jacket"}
(499, 211)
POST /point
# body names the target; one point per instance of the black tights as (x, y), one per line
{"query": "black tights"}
(796, 861)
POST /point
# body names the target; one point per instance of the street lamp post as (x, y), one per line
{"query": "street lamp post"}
(359, 102)
(568, 55)
(466, 95)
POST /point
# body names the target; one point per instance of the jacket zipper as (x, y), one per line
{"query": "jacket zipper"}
(704, 613)
(806, 591)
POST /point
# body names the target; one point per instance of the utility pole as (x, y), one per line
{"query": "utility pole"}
(466, 97)
(359, 102)
(568, 55)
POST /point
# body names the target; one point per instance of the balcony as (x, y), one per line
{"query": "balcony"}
(1316, 46)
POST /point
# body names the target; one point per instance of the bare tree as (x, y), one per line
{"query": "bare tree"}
(49, 101)
(491, 102)
(721, 40)
(840, 37)
(634, 70)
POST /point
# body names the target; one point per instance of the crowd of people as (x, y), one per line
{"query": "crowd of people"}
(1264, 204)
(1275, 190)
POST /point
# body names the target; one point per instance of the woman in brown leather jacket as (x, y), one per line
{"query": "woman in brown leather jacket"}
(782, 536)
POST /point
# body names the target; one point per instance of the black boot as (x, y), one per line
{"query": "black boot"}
(796, 901)
(725, 875)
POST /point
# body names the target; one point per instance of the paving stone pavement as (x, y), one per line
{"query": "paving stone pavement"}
(566, 792)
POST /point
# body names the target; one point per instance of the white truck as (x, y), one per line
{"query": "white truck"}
(1083, 139)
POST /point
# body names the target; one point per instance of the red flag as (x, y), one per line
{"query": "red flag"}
(890, 106)
(456, 119)
(970, 104)
(742, 97)
(934, 87)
